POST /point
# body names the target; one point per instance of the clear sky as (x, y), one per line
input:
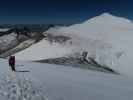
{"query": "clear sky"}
(60, 11)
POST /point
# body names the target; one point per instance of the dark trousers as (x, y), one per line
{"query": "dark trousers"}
(13, 67)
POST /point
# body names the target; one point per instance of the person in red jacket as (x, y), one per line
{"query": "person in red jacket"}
(12, 62)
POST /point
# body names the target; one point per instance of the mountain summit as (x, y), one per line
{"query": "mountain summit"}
(105, 24)
(107, 18)
(106, 14)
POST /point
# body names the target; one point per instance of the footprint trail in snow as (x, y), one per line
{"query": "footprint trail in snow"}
(17, 86)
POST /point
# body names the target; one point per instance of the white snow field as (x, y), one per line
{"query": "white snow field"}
(18, 85)
(52, 82)
(107, 38)
(4, 29)
(43, 50)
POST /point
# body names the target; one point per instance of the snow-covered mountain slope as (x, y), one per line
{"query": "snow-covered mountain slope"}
(109, 40)
(100, 25)
(9, 38)
(61, 83)
(18, 48)
(19, 85)
(4, 29)
(15, 39)
(43, 50)
(106, 38)
(7, 42)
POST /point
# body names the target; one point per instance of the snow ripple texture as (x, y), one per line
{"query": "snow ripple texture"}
(19, 87)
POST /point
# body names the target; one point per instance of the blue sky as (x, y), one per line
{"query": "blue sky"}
(60, 11)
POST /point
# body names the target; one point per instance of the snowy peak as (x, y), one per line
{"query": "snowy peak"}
(107, 15)
(107, 18)
(103, 23)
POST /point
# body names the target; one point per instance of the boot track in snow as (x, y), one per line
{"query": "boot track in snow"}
(16, 86)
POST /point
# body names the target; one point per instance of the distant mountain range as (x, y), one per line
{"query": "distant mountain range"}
(11, 36)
